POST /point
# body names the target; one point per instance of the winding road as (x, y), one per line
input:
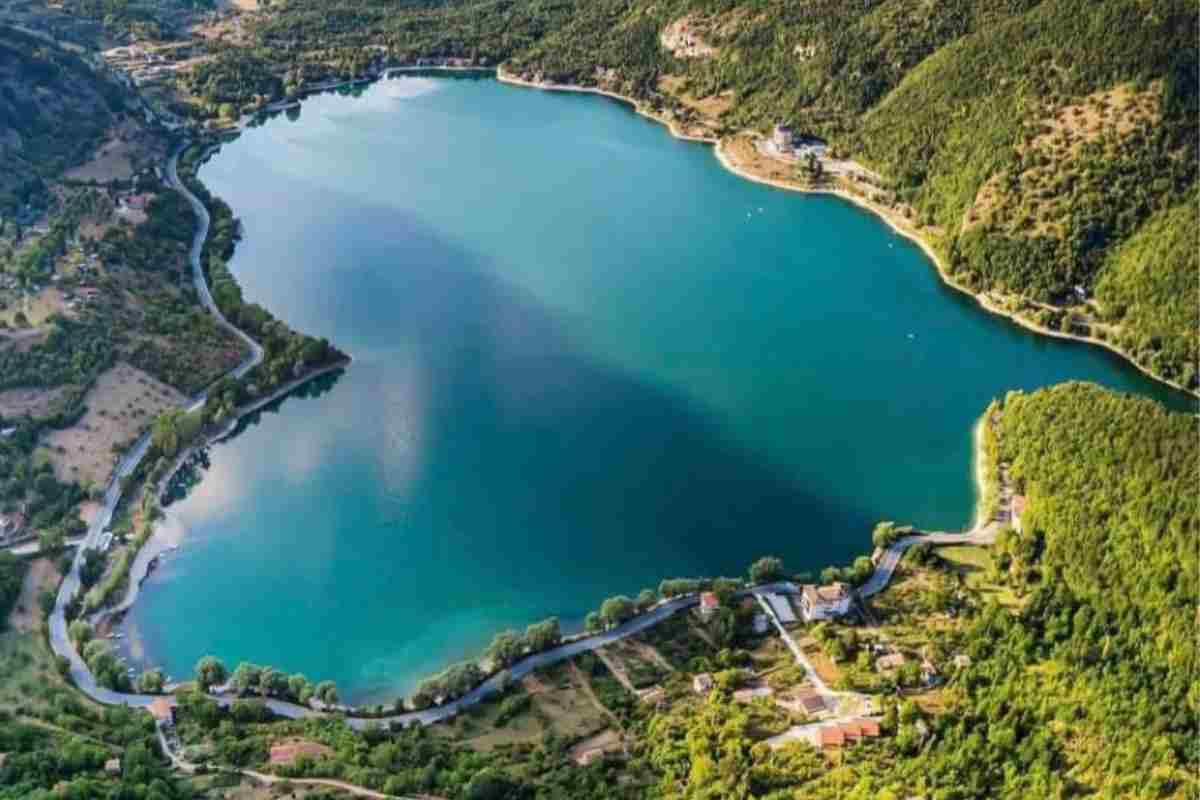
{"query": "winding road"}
(70, 587)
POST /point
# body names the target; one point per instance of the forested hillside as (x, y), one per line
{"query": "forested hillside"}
(40, 87)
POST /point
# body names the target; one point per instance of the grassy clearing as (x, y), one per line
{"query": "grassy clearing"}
(976, 564)
(556, 704)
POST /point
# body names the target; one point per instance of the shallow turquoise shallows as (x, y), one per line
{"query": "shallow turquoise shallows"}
(587, 358)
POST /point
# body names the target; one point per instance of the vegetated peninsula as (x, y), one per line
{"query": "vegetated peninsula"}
(1044, 151)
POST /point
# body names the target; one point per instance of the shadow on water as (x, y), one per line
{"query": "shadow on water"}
(478, 433)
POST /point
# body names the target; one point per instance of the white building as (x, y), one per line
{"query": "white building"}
(824, 602)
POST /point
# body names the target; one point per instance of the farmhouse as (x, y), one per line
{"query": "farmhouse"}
(1018, 509)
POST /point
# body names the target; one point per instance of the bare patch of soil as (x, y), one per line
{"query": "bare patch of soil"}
(123, 402)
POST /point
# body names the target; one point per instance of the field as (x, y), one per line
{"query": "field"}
(126, 150)
(553, 700)
(27, 613)
(34, 402)
(37, 309)
(975, 563)
(121, 404)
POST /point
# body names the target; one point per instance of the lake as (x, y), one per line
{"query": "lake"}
(586, 358)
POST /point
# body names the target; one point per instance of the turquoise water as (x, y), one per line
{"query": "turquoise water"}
(587, 358)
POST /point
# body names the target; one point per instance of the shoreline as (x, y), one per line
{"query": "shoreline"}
(893, 221)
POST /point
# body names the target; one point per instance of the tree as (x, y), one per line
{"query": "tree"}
(80, 633)
(246, 677)
(506, 648)
(272, 682)
(593, 622)
(150, 682)
(492, 784)
(327, 692)
(50, 540)
(646, 599)
(210, 672)
(861, 571)
(766, 569)
(884, 534)
(616, 610)
(299, 688)
(543, 635)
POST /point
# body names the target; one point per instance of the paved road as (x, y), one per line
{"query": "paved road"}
(33, 546)
(198, 279)
(891, 556)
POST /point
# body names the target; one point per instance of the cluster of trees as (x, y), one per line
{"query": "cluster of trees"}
(1147, 285)
(264, 681)
(449, 684)
(509, 646)
(99, 657)
(42, 763)
(27, 481)
(12, 573)
(74, 352)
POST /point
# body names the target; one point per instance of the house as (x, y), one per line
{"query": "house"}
(590, 756)
(890, 662)
(846, 733)
(782, 608)
(812, 703)
(1018, 509)
(113, 766)
(761, 624)
(138, 202)
(748, 694)
(783, 138)
(868, 727)
(163, 711)
(830, 737)
(708, 604)
(702, 683)
(824, 602)
(654, 696)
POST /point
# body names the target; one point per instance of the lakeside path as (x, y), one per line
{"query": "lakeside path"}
(497, 682)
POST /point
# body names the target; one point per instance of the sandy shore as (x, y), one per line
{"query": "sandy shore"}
(894, 220)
